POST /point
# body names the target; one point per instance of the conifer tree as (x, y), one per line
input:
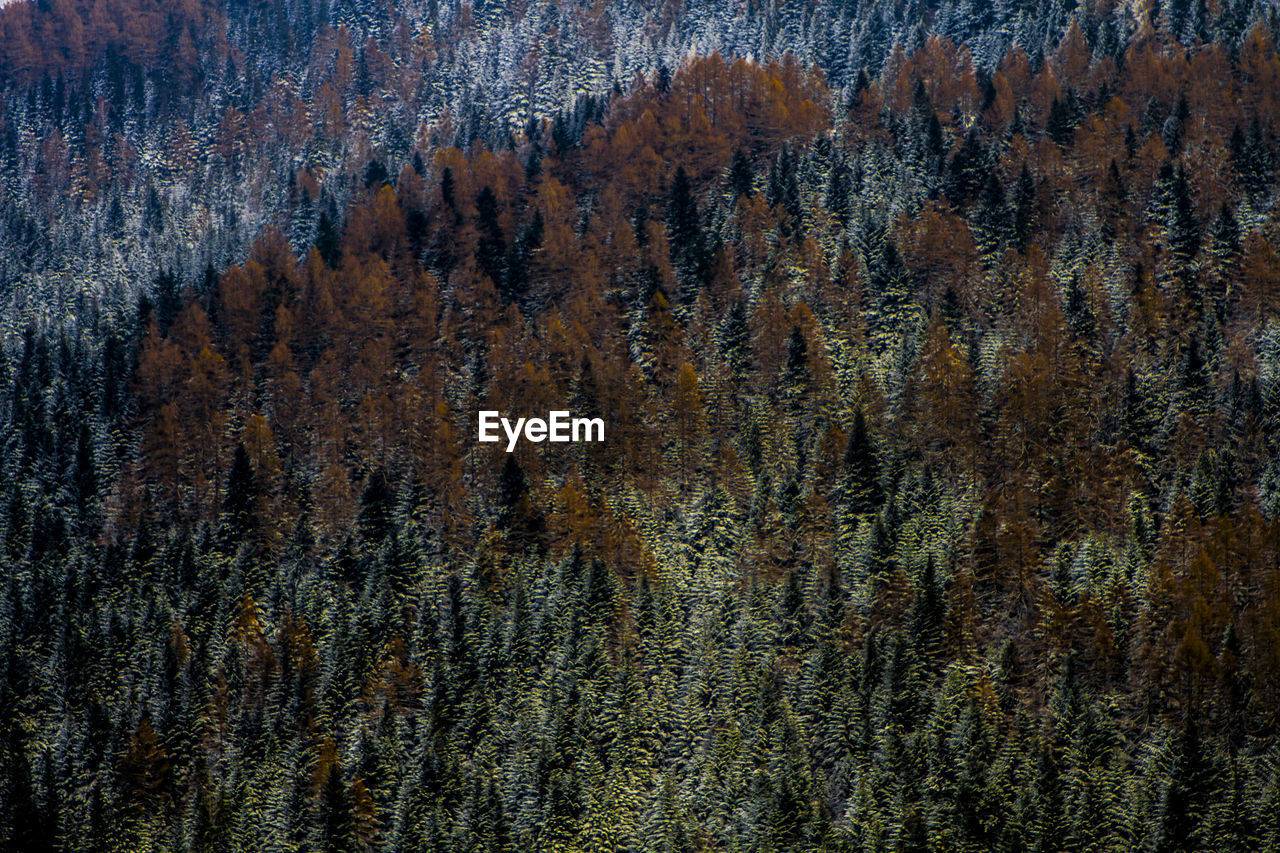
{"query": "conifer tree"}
(862, 492)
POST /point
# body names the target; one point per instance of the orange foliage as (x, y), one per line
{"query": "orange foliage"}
(713, 107)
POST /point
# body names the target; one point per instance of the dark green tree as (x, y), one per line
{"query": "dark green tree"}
(741, 174)
(861, 490)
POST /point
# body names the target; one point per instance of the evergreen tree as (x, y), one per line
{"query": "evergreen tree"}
(377, 505)
(741, 174)
(839, 194)
(1181, 812)
(491, 250)
(991, 218)
(240, 503)
(684, 228)
(783, 192)
(861, 490)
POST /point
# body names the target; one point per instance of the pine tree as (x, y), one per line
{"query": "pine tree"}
(736, 339)
(741, 174)
(991, 218)
(335, 830)
(928, 610)
(377, 505)
(796, 373)
(1182, 813)
(861, 491)
(839, 193)
(684, 229)
(240, 503)
(783, 192)
(967, 171)
(1024, 207)
(491, 249)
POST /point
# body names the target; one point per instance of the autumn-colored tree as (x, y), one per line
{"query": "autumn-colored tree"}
(687, 417)
(947, 424)
(147, 767)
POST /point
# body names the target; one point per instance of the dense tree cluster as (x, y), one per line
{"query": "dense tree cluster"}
(938, 507)
(140, 137)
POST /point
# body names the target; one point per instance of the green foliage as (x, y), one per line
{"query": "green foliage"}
(961, 539)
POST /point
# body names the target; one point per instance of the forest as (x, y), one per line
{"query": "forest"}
(939, 502)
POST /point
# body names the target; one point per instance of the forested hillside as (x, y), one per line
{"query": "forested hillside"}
(139, 137)
(939, 356)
